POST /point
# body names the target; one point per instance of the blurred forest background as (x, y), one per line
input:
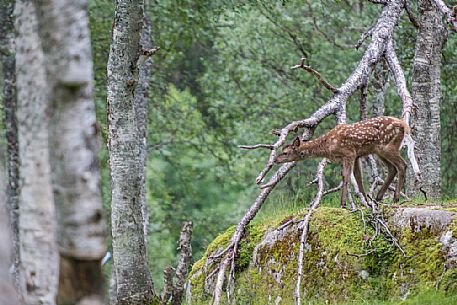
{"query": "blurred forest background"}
(222, 78)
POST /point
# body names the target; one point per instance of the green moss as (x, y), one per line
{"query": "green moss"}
(333, 267)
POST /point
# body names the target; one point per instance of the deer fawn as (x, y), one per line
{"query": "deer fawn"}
(346, 143)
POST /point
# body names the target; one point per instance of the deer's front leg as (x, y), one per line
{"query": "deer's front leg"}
(348, 165)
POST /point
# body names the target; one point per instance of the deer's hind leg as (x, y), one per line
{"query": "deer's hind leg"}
(391, 172)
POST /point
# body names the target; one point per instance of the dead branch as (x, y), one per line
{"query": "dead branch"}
(305, 227)
(379, 1)
(167, 289)
(451, 14)
(220, 281)
(364, 36)
(402, 89)
(411, 16)
(268, 146)
(185, 256)
(319, 77)
(333, 190)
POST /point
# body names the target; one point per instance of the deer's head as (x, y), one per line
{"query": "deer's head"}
(290, 152)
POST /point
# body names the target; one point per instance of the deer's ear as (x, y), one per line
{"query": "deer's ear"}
(296, 142)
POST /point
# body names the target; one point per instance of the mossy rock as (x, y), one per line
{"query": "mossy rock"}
(336, 269)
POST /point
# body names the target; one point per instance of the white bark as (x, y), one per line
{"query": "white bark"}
(64, 30)
(426, 91)
(38, 250)
(134, 284)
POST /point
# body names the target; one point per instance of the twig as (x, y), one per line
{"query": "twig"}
(441, 277)
(316, 74)
(411, 16)
(364, 36)
(333, 190)
(379, 1)
(268, 146)
(361, 255)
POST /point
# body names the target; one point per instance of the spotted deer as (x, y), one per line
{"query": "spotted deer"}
(346, 143)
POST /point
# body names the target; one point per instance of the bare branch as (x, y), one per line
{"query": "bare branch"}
(379, 1)
(333, 190)
(411, 16)
(400, 82)
(305, 227)
(316, 74)
(451, 14)
(220, 281)
(268, 146)
(364, 36)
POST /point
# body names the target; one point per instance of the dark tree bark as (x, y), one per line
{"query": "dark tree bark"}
(8, 294)
(133, 280)
(8, 58)
(64, 30)
(431, 37)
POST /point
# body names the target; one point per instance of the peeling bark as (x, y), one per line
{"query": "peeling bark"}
(134, 284)
(38, 250)
(431, 37)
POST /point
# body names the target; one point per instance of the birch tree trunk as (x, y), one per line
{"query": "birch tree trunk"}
(426, 94)
(38, 249)
(8, 58)
(133, 280)
(63, 26)
(8, 294)
(141, 100)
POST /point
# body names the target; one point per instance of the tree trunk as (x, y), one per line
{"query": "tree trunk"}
(141, 100)
(426, 94)
(38, 250)
(133, 280)
(64, 31)
(8, 57)
(8, 294)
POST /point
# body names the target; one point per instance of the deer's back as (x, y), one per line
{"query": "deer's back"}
(366, 137)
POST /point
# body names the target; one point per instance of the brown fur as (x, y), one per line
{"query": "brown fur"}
(347, 142)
